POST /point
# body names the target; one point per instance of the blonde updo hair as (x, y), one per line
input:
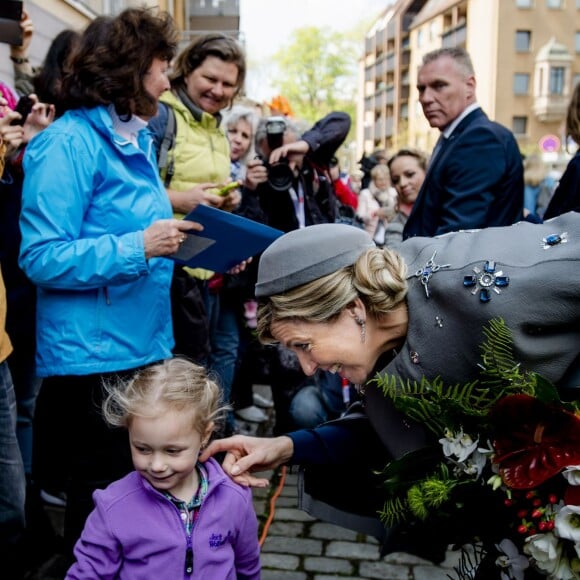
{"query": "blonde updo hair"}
(378, 278)
(175, 383)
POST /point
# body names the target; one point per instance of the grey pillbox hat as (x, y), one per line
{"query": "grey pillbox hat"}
(307, 254)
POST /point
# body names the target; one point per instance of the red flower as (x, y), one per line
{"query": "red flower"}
(533, 441)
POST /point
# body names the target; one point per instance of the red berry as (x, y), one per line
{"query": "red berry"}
(532, 531)
(553, 498)
(522, 529)
(530, 494)
(551, 525)
(537, 514)
(537, 502)
(543, 526)
(522, 513)
(508, 502)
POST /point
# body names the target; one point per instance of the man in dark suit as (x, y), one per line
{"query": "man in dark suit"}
(475, 177)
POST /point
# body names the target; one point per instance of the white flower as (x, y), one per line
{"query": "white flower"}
(461, 445)
(511, 559)
(567, 523)
(572, 474)
(546, 551)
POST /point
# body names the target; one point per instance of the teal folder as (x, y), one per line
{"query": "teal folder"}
(226, 240)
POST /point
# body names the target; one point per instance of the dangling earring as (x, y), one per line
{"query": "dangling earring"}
(363, 327)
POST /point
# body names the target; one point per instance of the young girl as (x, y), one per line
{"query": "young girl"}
(173, 517)
(377, 204)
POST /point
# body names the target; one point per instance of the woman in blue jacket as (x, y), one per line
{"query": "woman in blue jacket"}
(96, 224)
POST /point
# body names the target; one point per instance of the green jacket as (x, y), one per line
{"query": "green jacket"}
(201, 152)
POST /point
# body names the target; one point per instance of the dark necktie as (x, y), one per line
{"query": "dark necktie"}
(438, 147)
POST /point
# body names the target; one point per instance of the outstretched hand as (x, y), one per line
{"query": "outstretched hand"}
(250, 454)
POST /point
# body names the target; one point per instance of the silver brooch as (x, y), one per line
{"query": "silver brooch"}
(424, 274)
(486, 280)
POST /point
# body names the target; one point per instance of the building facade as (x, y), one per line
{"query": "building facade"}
(526, 55)
(50, 17)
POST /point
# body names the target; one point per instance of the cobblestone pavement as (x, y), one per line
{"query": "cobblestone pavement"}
(299, 547)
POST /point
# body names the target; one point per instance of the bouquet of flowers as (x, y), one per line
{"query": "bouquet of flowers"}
(501, 480)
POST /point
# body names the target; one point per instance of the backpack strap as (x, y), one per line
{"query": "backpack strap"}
(166, 157)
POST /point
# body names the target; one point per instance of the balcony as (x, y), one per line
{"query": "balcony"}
(369, 44)
(390, 63)
(454, 37)
(390, 95)
(550, 108)
(380, 37)
(369, 103)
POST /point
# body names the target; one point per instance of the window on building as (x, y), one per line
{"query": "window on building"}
(577, 42)
(419, 38)
(519, 125)
(524, 3)
(523, 40)
(554, 3)
(521, 83)
(575, 80)
(432, 31)
(557, 74)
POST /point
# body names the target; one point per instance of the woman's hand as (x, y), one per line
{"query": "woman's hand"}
(187, 201)
(11, 135)
(27, 27)
(256, 173)
(163, 237)
(249, 454)
(232, 200)
(39, 118)
(239, 267)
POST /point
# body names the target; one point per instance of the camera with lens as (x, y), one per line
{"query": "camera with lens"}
(280, 175)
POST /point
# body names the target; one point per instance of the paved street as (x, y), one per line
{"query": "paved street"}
(299, 547)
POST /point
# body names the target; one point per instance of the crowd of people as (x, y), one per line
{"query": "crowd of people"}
(119, 367)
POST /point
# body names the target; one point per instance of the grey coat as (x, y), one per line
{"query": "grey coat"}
(535, 288)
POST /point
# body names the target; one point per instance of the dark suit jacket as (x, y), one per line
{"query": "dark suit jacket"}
(475, 181)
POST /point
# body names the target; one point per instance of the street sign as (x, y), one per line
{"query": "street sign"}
(549, 143)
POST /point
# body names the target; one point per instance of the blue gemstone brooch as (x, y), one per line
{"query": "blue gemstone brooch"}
(554, 240)
(486, 280)
(424, 274)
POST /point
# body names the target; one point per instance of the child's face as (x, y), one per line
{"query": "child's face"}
(381, 181)
(165, 449)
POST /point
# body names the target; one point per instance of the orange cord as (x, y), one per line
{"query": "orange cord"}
(272, 506)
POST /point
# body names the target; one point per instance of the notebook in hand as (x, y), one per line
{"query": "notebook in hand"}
(226, 240)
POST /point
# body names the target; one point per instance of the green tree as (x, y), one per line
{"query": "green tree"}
(317, 72)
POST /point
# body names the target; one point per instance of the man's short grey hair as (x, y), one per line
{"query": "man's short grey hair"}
(458, 54)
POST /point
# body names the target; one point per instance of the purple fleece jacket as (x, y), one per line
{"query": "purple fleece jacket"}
(135, 532)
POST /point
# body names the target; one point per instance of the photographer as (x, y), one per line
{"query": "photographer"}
(296, 190)
(289, 187)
